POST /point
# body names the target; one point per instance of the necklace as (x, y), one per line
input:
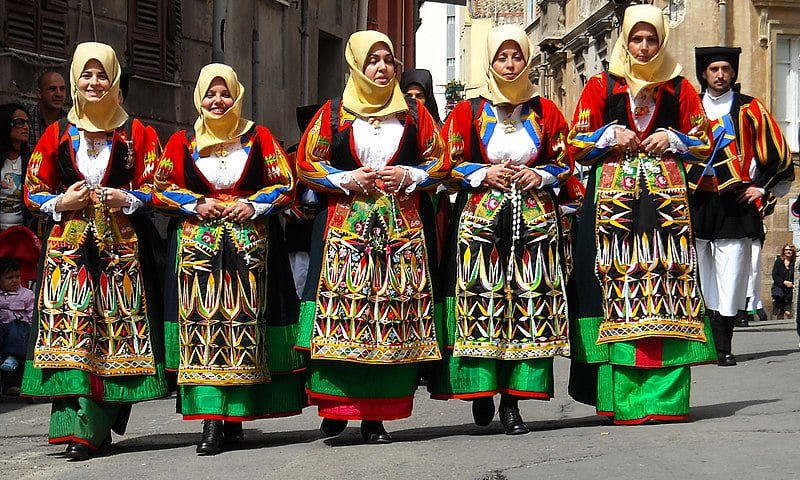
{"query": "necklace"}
(94, 147)
(16, 163)
(376, 123)
(508, 126)
(222, 156)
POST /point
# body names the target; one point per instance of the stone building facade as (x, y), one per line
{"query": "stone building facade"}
(286, 53)
(576, 37)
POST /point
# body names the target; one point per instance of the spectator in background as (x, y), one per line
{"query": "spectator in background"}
(52, 91)
(16, 312)
(783, 281)
(14, 153)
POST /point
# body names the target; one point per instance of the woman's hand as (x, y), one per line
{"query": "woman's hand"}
(363, 180)
(209, 209)
(394, 178)
(499, 176)
(788, 284)
(657, 143)
(238, 212)
(626, 139)
(76, 197)
(113, 197)
(526, 178)
(750, 195)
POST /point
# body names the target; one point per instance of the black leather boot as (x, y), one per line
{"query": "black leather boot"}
(232, 432)
(331, 427)
(211, 444)
(372, 432)
(723, 339)
(483, 411)
(510, 417)
(742, 319)
(77, 451)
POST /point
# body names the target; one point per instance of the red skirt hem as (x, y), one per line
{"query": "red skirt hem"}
(71, 438)
(510, 391)
(662, 418)
(345, 408)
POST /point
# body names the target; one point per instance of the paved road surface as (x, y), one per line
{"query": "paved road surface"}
(745, 425)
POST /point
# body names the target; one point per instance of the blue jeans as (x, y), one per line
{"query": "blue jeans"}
(14, 339)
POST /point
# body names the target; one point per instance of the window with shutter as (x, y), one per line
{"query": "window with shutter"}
(154, 33)
(37, 26)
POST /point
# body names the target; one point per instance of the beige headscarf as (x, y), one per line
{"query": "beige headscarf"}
(361, 95)
(211, 129)
(498, 90)
(102, 114)
(660, 68)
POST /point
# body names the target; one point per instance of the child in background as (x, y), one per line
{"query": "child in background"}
(16, 313)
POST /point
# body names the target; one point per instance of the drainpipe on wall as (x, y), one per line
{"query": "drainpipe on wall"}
(217, 31)
(304, 61)
(363, 8)
(723, 23)
(256, 71)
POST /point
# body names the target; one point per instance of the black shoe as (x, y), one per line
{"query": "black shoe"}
(483, 411)
(77, 451)
(232, 432)
(373, 432)
(331, 427)
(511, 420)
(211, 444)
(726, 360)
(742, 322)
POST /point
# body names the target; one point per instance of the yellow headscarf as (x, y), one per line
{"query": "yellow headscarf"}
(102, 114)
(498, 90)
(660, 68)
(211, 129)
(361, 95)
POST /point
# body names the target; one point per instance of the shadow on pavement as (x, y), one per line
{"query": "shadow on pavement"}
(767, 354)
(10, 403)
(753, 329)
(722, 410)
(352, 436)
(253, 438)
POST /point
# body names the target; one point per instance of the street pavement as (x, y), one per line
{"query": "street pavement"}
(744, 424)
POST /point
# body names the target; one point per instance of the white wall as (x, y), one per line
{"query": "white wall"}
(431, 45)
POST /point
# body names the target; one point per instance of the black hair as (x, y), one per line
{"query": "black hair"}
(8, 264)
(6, 114)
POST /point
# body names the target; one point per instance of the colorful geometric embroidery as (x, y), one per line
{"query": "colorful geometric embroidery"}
(374, 301)
(510, 306)
(222, 302)
(648, 278)
(93, 315)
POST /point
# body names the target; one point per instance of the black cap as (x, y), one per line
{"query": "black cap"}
(305, 114)
(705, 56)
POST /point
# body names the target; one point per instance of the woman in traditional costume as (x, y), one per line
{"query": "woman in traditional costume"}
(97, 346)
(367, 311)
(505, 307)
(638, 314)
(234, 357)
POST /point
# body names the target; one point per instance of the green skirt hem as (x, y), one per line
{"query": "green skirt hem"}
(359, 380)
(675, 351)
(282, 396)
(38, 382)
(471, 376)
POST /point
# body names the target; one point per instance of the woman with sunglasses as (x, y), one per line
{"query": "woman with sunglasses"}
(14, 131)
